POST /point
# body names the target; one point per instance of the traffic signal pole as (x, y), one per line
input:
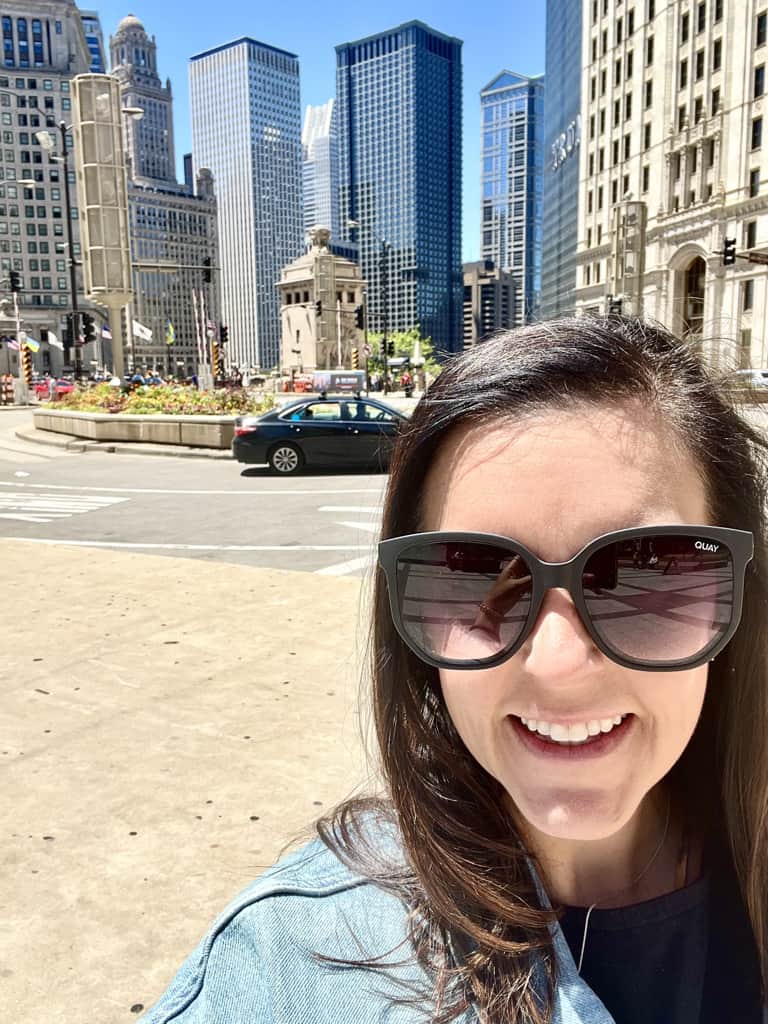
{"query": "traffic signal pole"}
(74, 315)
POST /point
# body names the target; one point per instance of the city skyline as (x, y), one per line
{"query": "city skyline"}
(506, 39)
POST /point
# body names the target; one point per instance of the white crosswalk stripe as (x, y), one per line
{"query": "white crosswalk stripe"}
(367, 558)
(46, 508)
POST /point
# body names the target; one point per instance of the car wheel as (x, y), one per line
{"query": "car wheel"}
(285, 458)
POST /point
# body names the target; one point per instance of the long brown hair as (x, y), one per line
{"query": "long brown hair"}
(468, 881)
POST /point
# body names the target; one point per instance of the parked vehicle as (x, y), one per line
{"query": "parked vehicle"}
(63, 387)
(315, 431)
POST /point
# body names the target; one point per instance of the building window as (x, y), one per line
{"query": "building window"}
(718, 10)
(597, 273)
(631, 21)
(627, 146)
(651, 9)
(648, 93)
(614, 192)
(683, 74)
(589, 238)
(750, 234)
(616, 112)
(593, 88)
(630, 65)
(701, 17)
(710, 153)
(594, 50)
(617, 72)
(646, 177)
(592, 126)
(717, 54)
(591, 168)
(619, 31)
(754, 182)
(715, 101)
(587, 270)
(757, 132)
(602, 121)
(747, 294)
(676, 167)
(589, 201)
(684, 27)
(681, 117)
(604, 43)
(601, 160)
(762, 29)
(699, 65)
(600, 198)
(649, 51)
(628, 106)
(698, 109)
(615, 152)
(603, 82)
(647, 137)
(759, 80)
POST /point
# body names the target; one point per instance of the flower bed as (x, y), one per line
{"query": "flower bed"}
(164, 400)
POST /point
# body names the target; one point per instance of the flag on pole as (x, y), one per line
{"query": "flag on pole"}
(13, 344)
(141, 331)
(54, 342)
(31, 344)
(170, 333)
(105, 332)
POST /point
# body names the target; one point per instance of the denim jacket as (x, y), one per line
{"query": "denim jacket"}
(255, 964)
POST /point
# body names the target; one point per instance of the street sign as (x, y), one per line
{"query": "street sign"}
(367, 351)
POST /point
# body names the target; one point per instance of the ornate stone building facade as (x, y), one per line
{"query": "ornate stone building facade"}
(672, 163)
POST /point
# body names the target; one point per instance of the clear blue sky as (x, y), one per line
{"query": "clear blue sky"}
(496, 33)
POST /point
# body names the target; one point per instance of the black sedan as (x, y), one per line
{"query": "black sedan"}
(317, 431)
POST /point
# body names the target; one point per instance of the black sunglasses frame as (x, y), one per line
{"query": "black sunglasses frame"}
(568, 576)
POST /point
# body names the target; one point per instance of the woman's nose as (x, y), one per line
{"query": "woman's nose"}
(559, 645)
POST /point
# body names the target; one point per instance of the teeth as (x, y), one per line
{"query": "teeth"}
(578, 732)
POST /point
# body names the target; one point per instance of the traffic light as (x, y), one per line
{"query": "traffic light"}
(26, 363)
(223, 334)
(318, 308)
(390, 348)
(207, 276)
(15, 279)
(355, 362)
(359, 318)
(89, 328)
(729, 252)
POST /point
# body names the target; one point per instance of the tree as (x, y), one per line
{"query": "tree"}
(408, 344)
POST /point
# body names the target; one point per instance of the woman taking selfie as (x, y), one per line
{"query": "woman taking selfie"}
(572, 725)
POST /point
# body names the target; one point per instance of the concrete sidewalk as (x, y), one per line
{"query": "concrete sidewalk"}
(168, 726)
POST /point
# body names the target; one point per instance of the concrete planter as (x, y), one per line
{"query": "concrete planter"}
(190, 431)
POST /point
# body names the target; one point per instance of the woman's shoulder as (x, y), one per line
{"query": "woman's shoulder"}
(258, 957)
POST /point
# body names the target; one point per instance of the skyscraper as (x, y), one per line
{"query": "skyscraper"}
(562, 138)
(169, 223)
(399, 101)
(672, 163)
(95, 40)
(43, 48)
(246, 127)
(320, 150)
(148, 142)
(512, 109)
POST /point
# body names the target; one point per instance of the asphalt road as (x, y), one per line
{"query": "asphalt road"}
(213, 510)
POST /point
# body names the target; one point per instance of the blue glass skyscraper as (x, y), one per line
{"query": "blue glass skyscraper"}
(399, 105)
(562, 140)
(512, 114)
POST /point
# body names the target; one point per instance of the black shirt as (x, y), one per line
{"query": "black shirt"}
(685, 958)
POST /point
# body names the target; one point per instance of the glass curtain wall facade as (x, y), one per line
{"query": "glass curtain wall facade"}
(320, 147)
(562, 141)
(399, 103)
(512, 151)
(246, 128)
(95, 40)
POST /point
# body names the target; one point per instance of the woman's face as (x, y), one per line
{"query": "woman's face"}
(554, 483)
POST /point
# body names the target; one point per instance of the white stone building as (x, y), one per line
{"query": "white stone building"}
(672, 162)
(321, 297)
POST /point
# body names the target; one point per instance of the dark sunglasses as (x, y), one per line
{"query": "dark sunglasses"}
(662, 598)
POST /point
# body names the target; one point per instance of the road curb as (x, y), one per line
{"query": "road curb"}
(80, 444)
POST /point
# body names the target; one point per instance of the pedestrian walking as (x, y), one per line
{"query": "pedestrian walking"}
(573, 748)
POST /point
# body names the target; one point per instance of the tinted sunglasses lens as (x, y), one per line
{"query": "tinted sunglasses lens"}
(660, 598)
(462, 601)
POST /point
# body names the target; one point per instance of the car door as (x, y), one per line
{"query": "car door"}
(363, 435)
(383, 429)
(320, 433)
